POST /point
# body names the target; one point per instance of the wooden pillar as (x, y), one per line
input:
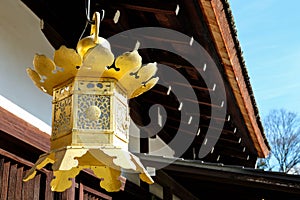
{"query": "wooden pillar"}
(68, 194)
(167, 193)
(144, 142)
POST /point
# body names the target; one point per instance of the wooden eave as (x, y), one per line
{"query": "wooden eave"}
(233, 182)
(221, 30)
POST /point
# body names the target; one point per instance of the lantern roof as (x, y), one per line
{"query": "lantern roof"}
(93, 58)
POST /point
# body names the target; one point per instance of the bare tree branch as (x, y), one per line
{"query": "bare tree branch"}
(283, 132)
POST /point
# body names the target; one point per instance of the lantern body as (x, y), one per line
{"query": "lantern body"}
(90, 112)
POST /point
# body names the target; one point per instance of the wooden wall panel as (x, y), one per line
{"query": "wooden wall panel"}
(4, 177)
(12, 185)
(87, 193)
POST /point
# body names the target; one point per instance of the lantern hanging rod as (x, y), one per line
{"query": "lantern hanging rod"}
(88, 13)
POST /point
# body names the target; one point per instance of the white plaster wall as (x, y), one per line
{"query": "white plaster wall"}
(20, 39)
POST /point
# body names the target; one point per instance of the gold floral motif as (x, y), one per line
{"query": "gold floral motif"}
(93, 113)
(85, 101)
(122, 119)
(62, 117)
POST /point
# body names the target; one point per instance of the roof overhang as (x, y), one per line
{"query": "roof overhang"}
(222, 28)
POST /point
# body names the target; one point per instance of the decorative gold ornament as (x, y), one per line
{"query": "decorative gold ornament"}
(90, 114)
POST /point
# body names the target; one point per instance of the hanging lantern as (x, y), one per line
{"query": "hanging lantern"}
(90, 113)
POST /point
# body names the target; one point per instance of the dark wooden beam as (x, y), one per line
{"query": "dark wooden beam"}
(154, 6)
(173, 186)
(23, 131)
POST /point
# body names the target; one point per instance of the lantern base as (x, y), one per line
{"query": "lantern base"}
(89, 139)
(106, 163)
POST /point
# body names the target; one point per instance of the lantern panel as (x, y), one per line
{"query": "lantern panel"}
(90, 112)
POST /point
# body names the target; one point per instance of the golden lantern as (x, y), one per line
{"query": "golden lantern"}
(90, 114)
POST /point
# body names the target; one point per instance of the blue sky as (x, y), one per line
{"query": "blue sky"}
(269, 34)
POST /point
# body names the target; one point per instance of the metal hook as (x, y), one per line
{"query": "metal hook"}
(88, 13)
(103, 14)
(95, 22)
